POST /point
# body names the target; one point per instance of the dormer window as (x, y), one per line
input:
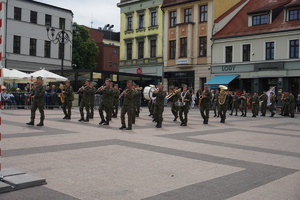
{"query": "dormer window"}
(260, 19)
(294, 14)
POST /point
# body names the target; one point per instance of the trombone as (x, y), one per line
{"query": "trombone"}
(173, 93)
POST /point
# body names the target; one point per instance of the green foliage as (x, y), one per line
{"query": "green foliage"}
(84, 50)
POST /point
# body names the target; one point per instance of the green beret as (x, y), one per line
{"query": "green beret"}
(129, 81)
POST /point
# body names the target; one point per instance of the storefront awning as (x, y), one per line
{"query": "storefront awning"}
(220, 80)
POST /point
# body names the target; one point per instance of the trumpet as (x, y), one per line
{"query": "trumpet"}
(139, 88)
(173, 93)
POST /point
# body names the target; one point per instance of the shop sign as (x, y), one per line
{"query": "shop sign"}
(182, 61)
(232, 68)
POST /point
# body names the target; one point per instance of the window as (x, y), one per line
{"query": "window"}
(140, 50)
(17, 44)
(203, 13)
(154, 19)
(32, 47)
(61, 51)
(228, 54)
(48, 20)
(47, 49)
(129, 51)
(294, 14)
(62, 23)
(129, 23)
(260, 19)
(246, 52)
(188, 15)
(33, 17)
(172, 49)
(152, 48)
(173, 19)
(294, 48)
(183, 47)
(203, 46)
(269, 50)
(17, 13)
(141, 21)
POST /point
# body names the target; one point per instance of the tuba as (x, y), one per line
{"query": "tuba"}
(61, 95)
(222, 96)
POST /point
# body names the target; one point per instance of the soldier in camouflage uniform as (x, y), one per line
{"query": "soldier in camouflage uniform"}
(85, 93)
(138, 102)
(92, 100)
(235, 104)
(216, 104)
(263, 107)
(105, 105)
(255, 104)
(135, 96)
(38, 102)
(174, 108)
(244, 104)
(286, 99)
(159, 105)
(116, 95)
(272, 104)
(69, 97)
(185, 98)
(205, 104)
(127, 106)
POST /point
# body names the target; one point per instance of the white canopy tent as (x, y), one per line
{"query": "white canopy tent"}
(47, 76)
(15, 76)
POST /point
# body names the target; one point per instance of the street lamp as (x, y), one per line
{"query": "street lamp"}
(62, 37)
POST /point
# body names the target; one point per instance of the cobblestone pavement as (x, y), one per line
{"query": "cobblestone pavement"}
(245, 158)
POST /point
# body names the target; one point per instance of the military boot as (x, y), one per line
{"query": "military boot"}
(41, 123)
(30, 123)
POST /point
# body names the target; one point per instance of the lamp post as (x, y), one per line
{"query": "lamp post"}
(62, 37)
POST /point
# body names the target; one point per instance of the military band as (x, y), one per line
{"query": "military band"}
(181, 103)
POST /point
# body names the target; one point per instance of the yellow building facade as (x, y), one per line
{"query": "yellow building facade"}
(188, 29)
(141, 37)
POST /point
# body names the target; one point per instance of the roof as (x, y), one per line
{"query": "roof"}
(48, 5)
(294, 3)
(238, 25)
(168, 3)
(230, 10)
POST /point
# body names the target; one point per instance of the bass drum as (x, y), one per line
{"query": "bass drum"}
(148, 93)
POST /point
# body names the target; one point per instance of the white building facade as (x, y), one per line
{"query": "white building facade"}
(27, 45)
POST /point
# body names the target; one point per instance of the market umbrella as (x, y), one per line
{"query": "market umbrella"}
(47, 76)
(15, 76)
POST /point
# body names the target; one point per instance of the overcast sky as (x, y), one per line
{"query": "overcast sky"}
(101, 12)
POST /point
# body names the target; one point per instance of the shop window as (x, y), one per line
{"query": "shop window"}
(294, 48)
(246, 52)
(228, 54)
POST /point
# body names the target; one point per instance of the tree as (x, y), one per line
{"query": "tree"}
(84, 49)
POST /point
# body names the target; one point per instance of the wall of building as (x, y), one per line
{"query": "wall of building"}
(27, 30)
(221, 6)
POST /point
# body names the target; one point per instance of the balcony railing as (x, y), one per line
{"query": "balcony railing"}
(144, 61)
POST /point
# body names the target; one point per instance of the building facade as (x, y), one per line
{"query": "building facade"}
(260, 46)
(187, 46)
(109, 51)
(141, 37)
(27, 45)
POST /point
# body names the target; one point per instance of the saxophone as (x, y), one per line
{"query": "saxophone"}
(61, 95)
(201, 97)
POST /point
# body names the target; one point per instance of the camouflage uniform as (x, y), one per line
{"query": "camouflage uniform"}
(205, 105)
(159, 107)
(235, 104)
(135, 96)
(263, 107)
(286, 108)
(127, 107)
(38, 103)
(184, 110)
(255, 106)
(272, 105)
(116, 94)
(106, 104)
(92, 102)
(244, 106)
(216, 104)
(138, 103)
(174, 108)
(292, 105)
(67, 105)
(223, 107)
(85, 102)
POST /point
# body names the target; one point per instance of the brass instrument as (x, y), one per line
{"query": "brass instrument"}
(61, 95)
(200, 100)
(139, 88)
(223, 95)
(173, 93)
